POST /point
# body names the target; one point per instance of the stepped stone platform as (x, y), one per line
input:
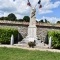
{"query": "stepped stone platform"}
(39, 44)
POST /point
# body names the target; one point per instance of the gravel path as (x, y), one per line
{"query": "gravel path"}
(23, 47)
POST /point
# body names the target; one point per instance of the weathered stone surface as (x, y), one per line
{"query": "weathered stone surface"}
(41, 30)
(23, 30)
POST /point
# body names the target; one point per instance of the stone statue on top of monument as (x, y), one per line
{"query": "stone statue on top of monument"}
(33, 13)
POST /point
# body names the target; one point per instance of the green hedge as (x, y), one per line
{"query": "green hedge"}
(5, 35)
(55, 38)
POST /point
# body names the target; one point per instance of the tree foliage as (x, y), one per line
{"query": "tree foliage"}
(1, 18)
(55, 38)
(58, 21)
(11, 17)
(21, 20)
(5, 35)
(41, 21)
(46, 21)
(26, 18)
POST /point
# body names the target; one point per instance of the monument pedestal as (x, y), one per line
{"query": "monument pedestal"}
(31, 36)
(32, 32)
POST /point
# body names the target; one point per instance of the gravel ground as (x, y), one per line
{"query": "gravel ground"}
(27, 47)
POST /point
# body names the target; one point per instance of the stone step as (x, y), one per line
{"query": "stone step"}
(39, 44)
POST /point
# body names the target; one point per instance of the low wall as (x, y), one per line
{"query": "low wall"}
(22, 27)
(41, 31)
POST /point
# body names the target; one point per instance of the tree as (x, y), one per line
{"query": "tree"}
(41, 21)
(11, 17)
(5, 18)
(1, 18)
(26, 18)
(20, 20)
(58, 21)
(46, 21)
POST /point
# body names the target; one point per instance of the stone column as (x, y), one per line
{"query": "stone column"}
(50, 42)
(32, 25)
(31, 36)
(32, 17)
(12, 40)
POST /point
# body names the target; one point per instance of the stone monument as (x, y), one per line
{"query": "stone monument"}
(32, 29)
(32, 25)
(31, 36)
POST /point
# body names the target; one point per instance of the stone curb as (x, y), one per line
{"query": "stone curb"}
(40, 49)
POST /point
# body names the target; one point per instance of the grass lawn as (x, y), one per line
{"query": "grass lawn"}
(21, 54)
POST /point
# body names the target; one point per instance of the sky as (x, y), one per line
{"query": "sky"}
(50, 9)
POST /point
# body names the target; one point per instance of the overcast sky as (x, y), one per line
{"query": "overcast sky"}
(50, 9)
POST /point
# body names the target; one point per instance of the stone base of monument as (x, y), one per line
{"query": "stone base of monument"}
(32, 32)
(38, 45)
(31, 36)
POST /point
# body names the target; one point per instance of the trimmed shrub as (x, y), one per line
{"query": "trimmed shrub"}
(5, 35)
(55, 38)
